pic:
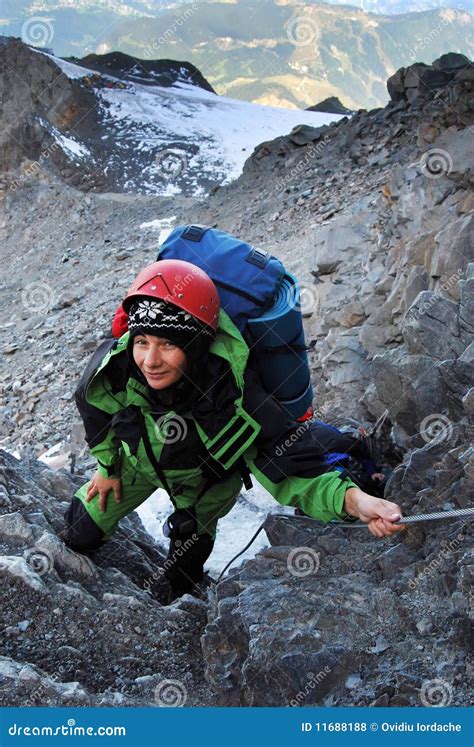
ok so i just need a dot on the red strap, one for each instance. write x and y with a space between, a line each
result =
307 416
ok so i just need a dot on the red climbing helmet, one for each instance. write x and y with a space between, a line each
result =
180 283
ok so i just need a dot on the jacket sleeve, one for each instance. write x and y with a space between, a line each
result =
97 411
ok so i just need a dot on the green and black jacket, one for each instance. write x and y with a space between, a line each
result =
232 424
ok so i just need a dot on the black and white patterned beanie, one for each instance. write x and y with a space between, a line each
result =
155 317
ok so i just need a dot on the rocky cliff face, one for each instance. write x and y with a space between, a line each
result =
368 212
83 632
374 214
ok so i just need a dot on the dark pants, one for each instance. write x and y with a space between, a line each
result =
187 553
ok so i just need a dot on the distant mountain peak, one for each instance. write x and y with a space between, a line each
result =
147 72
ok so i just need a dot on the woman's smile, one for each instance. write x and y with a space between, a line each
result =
156 375
148 349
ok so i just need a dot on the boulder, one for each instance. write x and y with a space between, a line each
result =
431 327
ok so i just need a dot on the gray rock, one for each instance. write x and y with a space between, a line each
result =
451 61
454 249
17 570
394 559
410 386
431 327
337 242
468 401
14 527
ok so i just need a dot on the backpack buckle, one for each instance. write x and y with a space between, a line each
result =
257 257
194 233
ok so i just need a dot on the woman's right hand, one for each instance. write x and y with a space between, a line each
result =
103 486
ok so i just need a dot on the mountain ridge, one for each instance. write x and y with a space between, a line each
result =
276 54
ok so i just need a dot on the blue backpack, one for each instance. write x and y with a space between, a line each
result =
262 299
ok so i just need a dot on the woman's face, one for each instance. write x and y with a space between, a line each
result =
161 362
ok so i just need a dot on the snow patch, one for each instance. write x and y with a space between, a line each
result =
72 148
163 225
183 139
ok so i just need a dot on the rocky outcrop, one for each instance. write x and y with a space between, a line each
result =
454 71
164 73
367 212
331 105
83 632
347 621
37 100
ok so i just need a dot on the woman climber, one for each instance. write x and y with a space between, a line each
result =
175 403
